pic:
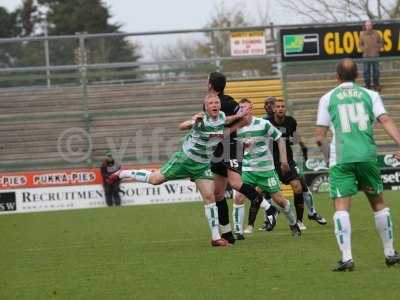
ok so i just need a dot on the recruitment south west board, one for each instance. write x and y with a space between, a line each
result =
77 189
24 192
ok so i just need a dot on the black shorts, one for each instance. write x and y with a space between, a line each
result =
288 176
232 161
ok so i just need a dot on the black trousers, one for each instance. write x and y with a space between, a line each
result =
111 192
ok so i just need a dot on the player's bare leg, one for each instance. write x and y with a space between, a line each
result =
152 177
206 188
384 226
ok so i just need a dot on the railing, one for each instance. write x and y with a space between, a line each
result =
305 82
82 68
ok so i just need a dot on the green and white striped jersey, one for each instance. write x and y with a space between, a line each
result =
256 138
350 111
200 143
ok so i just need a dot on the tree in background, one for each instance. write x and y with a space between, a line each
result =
86 16
63 18
217 44
324 11
8 28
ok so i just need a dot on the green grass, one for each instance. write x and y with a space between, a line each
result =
163 252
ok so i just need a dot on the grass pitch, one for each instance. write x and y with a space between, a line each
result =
163 252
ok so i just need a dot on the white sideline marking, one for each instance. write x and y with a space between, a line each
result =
77 246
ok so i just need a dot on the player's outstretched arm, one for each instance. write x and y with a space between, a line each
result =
240 114
391 129
188 124
236 126
322 141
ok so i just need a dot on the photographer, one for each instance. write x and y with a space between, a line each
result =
111 189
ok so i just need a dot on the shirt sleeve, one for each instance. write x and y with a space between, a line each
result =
323 117
377 106
272 131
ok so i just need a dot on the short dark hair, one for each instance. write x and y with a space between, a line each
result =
245 100
269 99
217 81
346 70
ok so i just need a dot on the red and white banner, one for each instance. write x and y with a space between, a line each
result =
38 179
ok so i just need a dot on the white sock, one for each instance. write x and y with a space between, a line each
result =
269 200
226 228
289 212
309 201
384 226
265 204
211 212
138 175
343 233
238 216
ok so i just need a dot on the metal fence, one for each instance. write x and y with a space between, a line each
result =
85 60
93 58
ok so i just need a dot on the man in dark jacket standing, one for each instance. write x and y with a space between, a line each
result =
111 190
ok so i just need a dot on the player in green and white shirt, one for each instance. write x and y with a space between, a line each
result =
193 161
350 112
258 167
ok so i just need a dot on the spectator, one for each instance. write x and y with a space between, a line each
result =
111 189
370 44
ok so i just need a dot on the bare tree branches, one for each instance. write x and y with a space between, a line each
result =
323 11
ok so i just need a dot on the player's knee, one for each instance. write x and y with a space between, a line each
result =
235 184
156 179
219 194
235 181
279 199
297 188
239 200
208 197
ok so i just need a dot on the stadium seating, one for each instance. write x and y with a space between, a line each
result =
304 94
32 121
256 91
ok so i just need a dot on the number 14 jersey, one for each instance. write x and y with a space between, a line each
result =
350 111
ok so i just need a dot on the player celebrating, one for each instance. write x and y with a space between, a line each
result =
226 164
193 161
349 111
258 165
